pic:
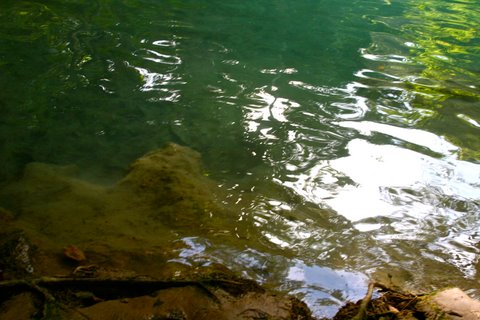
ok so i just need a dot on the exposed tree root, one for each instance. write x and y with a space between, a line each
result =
63 295
362 310
392 304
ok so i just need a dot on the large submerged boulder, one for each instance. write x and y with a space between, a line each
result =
164 193
170 181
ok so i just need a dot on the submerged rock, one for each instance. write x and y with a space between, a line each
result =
16 253
171 182
164 192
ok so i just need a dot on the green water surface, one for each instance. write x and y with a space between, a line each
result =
344 133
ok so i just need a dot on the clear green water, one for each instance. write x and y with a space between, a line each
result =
346 132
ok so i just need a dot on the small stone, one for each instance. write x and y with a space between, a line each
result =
16 254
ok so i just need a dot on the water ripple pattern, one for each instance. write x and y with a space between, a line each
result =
344 135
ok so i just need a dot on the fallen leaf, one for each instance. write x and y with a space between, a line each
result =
72 252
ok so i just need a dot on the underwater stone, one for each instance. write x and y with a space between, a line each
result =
15 254
170 181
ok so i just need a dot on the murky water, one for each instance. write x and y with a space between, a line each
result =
344 136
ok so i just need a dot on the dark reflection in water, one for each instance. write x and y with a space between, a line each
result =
344 136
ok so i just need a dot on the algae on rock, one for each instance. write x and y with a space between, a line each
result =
164 193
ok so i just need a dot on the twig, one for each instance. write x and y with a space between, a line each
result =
362 310
51 281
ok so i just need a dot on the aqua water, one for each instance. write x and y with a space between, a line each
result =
345 132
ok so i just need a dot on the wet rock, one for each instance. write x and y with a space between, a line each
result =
171 180
16 254
450 303
174 303
196 302
164 190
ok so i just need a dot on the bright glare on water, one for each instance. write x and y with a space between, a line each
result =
344 135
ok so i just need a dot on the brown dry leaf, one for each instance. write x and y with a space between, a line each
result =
74 253
393 309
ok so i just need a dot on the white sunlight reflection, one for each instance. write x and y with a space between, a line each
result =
160 75
268 107
348 103
338 286
416 136
373 169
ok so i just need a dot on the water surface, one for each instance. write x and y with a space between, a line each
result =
344 135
